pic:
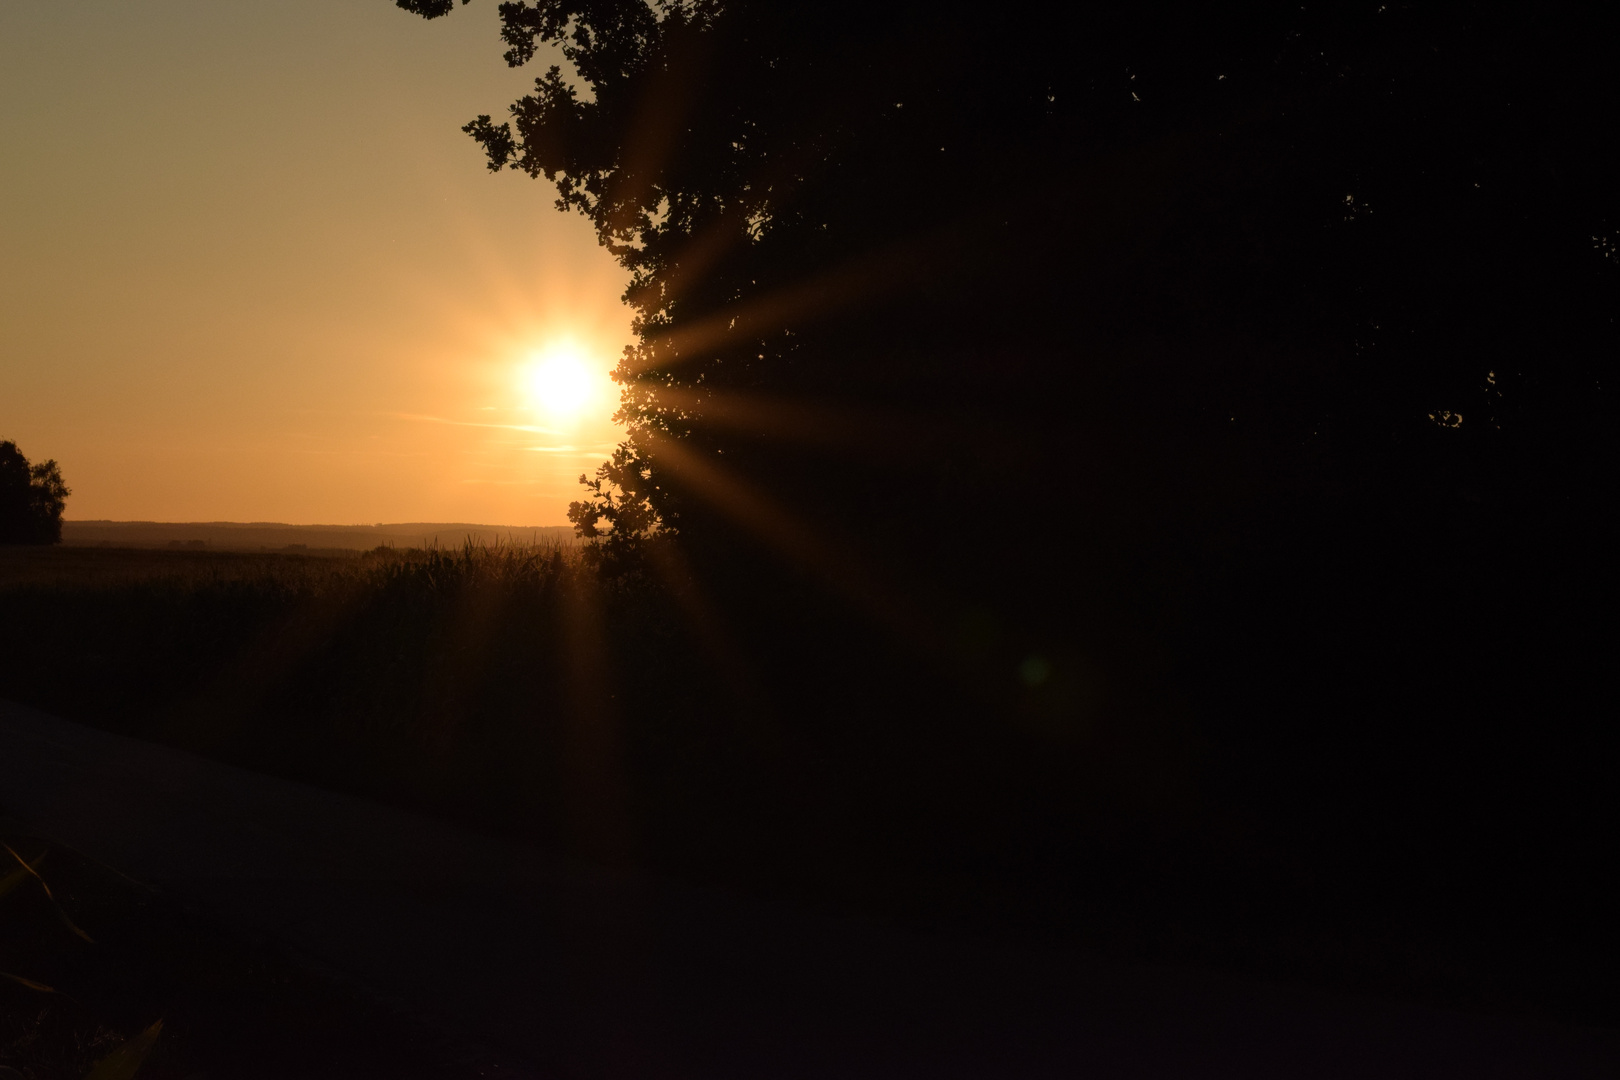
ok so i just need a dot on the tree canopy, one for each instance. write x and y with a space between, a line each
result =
1161 247
32 498
1167 408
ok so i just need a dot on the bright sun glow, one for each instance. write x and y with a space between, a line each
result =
560 383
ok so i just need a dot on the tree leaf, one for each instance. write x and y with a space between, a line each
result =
30 983
26 868
20 875
69 923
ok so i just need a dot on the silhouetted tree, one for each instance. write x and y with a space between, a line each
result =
1202 256
1278 340
619 511
32 498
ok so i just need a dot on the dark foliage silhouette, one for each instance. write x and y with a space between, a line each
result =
1220 256
1173 274
619 511
1276 341
32 498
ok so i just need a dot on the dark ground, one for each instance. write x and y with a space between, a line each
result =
234 1002
564 971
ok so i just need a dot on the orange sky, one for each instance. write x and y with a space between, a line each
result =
250 268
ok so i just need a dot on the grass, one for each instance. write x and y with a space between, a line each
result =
466 682
749 733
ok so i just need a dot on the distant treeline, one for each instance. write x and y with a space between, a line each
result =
258 535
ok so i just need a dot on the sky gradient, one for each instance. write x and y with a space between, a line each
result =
251 269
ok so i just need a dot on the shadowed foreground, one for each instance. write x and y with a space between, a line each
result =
570 972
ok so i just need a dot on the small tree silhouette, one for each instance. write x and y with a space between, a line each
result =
620 511
32 498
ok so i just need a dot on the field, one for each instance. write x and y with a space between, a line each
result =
383 672
273 536
760 741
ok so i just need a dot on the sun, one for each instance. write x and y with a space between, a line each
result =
560 383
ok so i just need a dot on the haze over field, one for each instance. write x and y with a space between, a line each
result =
250 269
257 535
